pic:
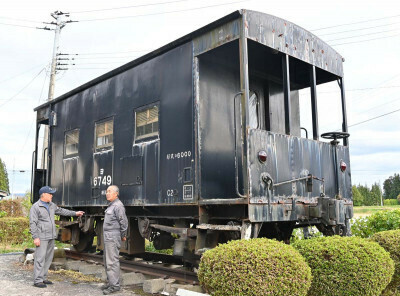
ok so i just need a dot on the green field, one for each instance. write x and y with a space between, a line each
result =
366 211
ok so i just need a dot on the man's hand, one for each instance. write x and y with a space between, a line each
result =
123 239
36 241
79 213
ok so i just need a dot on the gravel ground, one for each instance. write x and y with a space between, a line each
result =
17 279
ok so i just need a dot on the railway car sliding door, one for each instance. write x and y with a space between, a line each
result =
103 159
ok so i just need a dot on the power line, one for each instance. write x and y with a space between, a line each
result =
354 89
94 53
99 63
4 24
102 57
89 68
372 91
356 36
360 22
159 13
8 100
33 122
22 20
379 116
380 105
22 73
367 28
365 40
131 6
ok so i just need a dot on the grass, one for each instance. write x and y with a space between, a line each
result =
366 211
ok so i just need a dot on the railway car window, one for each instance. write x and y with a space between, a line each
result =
104 134
71 142
253 109
146 123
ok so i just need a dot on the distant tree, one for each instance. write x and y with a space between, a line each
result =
365 192
358 199
4 185
376 194
391 187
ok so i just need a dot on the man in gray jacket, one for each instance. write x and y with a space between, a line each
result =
43 230
114 229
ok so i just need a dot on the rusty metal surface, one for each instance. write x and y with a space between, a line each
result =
216 37
219 227
176 230
289 161
290 158
142 267
293 40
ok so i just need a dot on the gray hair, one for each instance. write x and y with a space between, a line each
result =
114 188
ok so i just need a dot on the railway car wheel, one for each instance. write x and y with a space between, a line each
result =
85 242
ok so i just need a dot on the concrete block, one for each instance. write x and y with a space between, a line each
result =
59 253
60 260
184 292
133 278
103 275
91 269
73 265
193 288
168 289
175 287
57 265
153 286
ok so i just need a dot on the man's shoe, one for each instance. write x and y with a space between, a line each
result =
105 286
47 282
111 289
40 285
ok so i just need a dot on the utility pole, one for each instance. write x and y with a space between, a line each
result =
59 23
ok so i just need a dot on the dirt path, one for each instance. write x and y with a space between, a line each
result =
17 279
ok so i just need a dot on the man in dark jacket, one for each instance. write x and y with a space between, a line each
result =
43 230
114 229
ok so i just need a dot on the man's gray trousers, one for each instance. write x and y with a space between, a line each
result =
43 258
112 244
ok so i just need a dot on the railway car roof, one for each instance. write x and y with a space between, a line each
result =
268 30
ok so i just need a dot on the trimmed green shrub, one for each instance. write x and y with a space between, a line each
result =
390 202
346 266
390 241
254 267
379 221
14 230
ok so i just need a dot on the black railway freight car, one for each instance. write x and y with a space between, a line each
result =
203 138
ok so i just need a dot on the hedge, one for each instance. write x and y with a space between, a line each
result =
254 267
390 202
379 221
13 208
14 230
349 266
390 241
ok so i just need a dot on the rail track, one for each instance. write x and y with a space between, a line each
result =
146 267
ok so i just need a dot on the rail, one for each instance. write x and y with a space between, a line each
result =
142 267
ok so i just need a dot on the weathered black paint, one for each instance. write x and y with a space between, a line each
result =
204 165
165 80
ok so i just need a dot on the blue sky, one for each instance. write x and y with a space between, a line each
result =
365 33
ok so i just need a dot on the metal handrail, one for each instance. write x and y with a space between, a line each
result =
234 129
